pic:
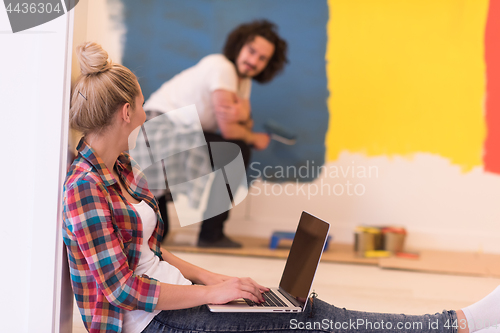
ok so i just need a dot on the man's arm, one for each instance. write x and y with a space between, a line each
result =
229 107
233 117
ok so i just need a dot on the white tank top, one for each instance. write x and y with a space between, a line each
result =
136 321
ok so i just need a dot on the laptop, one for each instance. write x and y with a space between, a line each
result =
298 275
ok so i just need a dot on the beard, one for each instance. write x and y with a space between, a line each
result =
249 69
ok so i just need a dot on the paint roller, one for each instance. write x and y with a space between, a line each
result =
280 133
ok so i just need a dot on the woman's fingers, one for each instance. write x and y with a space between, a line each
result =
234 288
245 286
252 287
261 288
251 297
254 291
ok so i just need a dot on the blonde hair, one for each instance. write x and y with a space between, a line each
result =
102 87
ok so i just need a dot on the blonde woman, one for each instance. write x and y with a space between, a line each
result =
122 280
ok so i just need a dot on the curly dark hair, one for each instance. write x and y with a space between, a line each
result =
245 33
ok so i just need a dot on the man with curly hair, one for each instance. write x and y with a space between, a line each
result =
219 85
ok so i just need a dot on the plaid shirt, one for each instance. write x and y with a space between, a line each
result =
103 235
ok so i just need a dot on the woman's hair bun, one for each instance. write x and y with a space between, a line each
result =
93 59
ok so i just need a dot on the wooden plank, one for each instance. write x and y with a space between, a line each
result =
259 247
431 261
444 262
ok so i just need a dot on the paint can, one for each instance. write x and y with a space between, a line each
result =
367 239
394 239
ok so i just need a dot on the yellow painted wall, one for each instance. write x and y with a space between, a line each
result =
406 77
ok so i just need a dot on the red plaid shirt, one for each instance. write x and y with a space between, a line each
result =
103 235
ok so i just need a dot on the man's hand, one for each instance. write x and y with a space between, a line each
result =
260 140
248 124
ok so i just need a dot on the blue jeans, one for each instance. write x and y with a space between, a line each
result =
325 318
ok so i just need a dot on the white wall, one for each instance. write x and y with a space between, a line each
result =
34 86
440 206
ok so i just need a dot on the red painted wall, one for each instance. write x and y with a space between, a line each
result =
492 57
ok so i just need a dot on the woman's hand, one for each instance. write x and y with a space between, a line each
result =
234 288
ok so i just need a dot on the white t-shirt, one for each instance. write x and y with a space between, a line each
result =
195 86
136 321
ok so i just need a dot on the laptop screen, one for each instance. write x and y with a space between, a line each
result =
304 256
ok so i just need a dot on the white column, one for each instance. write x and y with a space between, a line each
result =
34 96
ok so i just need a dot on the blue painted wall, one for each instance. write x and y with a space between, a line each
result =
165 37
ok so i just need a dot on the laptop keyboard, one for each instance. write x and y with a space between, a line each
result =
270 300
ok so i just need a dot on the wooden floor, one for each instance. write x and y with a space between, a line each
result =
357 287
431 261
